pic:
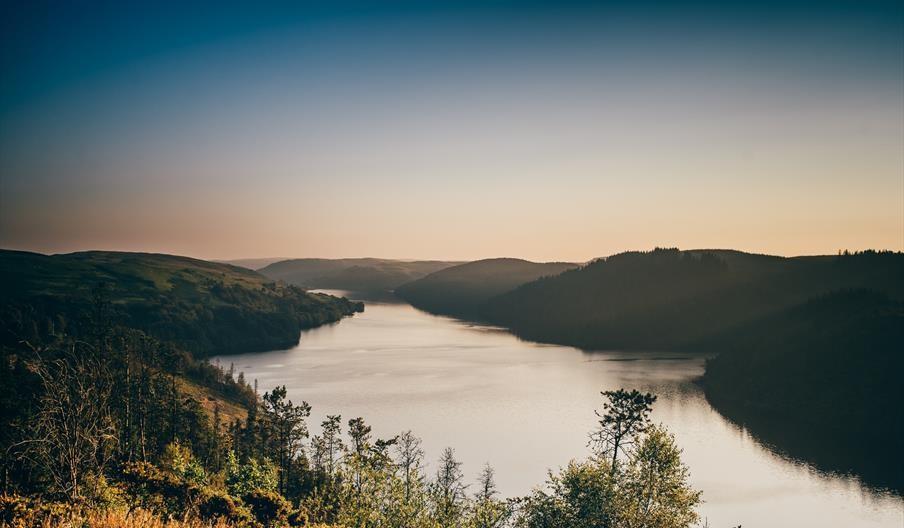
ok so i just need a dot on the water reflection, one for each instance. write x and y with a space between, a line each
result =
526 407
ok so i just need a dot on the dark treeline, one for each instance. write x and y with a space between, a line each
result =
822 382
671 299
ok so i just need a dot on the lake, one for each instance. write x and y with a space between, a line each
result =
526 407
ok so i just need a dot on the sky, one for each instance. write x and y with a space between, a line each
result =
451 130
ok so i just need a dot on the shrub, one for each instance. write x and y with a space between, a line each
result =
179 460
242 479
17 511
217 505
299 517
13 510
158 491
268 507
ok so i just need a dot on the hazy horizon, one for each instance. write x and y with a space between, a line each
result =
453 131
439 259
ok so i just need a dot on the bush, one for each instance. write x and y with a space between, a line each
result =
217 505
268 507
104 495
299 517
13 510
17 511
242 479
180 461
158 491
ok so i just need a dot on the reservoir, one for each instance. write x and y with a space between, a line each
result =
526 408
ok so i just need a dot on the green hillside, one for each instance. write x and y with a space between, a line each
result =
461 290
358 275
667 299
202 307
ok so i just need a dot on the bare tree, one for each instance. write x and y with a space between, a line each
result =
410 458
449 490
487 484
73 435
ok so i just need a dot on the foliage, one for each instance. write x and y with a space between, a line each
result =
216 505
653 491
650 491
268 507
179 460
243 478
582 495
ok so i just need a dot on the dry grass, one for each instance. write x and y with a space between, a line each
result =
133 519
229 410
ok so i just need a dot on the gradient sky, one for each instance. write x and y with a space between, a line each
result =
544 130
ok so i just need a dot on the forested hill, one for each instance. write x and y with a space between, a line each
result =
667 299
821 381
461 290
202 307
369 275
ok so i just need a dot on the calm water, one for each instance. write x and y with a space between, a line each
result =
525 407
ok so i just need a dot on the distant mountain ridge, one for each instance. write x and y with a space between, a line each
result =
252 263
667 298
458 290
352 274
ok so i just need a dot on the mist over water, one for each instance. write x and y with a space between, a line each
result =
526 408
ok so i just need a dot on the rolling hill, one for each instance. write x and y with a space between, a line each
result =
202 307
357 274
461 290
668 299
252 263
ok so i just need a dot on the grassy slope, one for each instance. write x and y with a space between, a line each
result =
460 290
230 410
201 306
361 274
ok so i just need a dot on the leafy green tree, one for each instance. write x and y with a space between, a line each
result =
332 442
655 490
181 462
286 430
242 479
581 495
